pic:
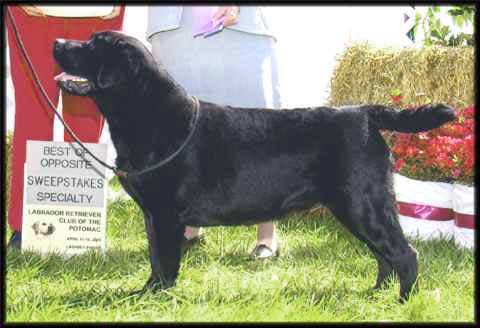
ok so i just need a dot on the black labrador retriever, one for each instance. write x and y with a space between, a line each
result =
221 165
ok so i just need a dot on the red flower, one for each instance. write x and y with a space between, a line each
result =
399 164
397 100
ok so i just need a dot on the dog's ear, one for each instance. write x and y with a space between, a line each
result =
109 75
51 229
35 228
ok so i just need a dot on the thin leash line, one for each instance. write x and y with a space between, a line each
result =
116 170
179 150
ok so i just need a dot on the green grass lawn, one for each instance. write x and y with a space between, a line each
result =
322 274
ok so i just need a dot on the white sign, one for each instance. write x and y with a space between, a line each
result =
64 198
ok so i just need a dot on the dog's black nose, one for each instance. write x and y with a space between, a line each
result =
59 44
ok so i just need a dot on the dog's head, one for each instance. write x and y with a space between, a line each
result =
43 228
104 62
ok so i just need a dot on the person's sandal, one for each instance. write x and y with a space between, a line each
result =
262 251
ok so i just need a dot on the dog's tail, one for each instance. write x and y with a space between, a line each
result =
419 119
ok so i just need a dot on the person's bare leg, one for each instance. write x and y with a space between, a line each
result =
265 236
191 232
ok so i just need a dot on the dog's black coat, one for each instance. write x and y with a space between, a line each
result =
243 165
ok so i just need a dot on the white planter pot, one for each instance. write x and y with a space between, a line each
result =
425 208
464 214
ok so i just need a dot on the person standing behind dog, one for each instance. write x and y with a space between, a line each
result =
236 66
38 27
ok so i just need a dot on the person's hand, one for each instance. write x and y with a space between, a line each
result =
229 12
115 12
32 10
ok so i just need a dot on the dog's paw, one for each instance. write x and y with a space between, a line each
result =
155 284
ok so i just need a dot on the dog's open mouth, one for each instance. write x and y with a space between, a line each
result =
64 77
74 84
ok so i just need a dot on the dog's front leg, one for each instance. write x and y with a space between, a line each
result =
164 241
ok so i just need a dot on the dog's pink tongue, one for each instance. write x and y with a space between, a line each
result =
60 76
64 76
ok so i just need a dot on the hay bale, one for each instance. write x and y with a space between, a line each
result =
367 75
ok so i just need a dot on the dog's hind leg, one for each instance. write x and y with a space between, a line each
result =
383 230
164 241
372 218
385 269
